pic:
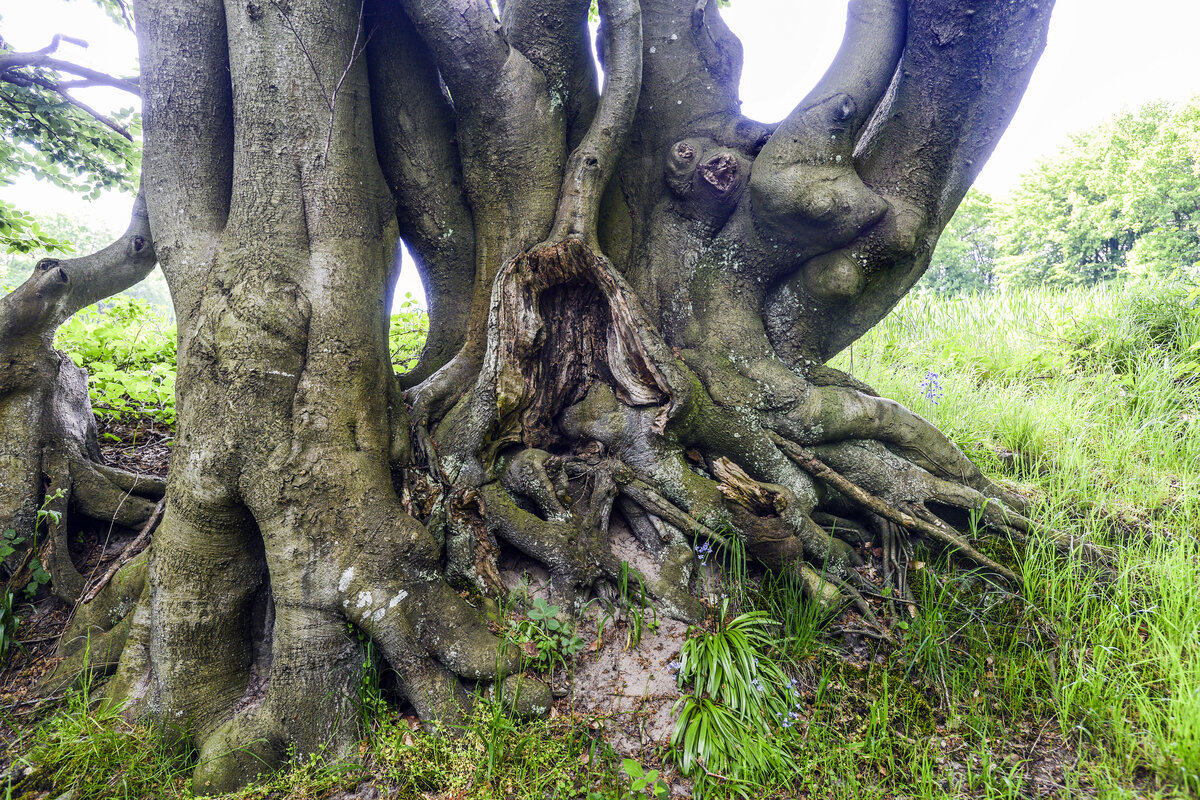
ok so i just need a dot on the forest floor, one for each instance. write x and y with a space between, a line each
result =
1079 685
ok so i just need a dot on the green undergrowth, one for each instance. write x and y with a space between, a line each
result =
128 349
95 754
127 345
1082 684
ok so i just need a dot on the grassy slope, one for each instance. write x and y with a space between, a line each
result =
1082 399
1092 393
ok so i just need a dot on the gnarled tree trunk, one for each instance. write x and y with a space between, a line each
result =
633 295
49 454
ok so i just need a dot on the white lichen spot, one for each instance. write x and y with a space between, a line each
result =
364 599
378 615
653 49
344 581
395 601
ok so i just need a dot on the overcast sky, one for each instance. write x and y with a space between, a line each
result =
1103 56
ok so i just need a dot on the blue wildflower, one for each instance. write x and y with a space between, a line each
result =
932 387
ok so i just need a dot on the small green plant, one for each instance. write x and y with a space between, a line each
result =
10 542
732 665
369 703
544 639
8 625
128 349
406 334
737 713
642 783
634 603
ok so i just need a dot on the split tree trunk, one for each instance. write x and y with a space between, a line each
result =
633 296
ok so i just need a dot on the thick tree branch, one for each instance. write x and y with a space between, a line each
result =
804 188
90 77
512 141
122 264
415 140
691 67
961 77
466 41
188 119
11 62
593 162
554 36
60 287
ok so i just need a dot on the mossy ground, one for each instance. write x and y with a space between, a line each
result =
1084 684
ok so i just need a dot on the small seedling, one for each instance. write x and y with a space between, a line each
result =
545 640
642 783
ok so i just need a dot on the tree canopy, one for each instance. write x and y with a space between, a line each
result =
47 133
1119 201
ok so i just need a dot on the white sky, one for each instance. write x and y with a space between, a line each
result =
1103 56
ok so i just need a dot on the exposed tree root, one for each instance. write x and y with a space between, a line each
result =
567 427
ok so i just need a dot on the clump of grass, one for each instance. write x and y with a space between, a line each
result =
494 756
93 753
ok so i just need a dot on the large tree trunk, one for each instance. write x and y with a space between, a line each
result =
633 295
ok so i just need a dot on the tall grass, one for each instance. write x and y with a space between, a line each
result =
1089 400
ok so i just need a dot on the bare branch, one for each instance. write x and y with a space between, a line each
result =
287 21
41 58
36 57
355 52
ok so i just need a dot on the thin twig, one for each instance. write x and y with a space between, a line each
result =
134 547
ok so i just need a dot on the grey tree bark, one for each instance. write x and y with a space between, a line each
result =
49 454
634 291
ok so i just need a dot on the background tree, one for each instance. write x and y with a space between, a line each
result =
48 133
1119 201
965 258
633 293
